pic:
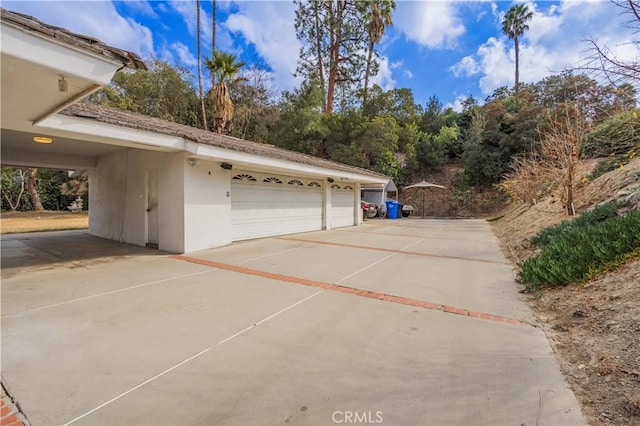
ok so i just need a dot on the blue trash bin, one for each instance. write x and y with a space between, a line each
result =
392 209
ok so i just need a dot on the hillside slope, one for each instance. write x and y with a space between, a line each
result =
594 328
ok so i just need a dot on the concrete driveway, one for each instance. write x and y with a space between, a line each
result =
411 322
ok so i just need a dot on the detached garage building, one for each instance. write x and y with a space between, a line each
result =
154 182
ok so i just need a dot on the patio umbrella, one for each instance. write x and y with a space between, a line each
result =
422 185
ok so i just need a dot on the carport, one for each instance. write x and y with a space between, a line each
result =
152 182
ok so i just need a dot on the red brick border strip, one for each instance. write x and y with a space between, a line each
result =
412 253
10 414
350 290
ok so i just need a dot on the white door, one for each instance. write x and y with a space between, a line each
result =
266 205
342 206
152 209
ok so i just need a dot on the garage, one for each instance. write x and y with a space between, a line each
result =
264 205
342 206
178 188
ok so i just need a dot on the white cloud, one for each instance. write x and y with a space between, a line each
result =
408 73
457 104
468 66
165 54
269 27
185 57
384 78
142 7
434 24
187 9
554 42
99 19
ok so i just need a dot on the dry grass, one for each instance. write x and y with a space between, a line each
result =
14 222
593 327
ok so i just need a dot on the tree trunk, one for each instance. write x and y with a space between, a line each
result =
569 188
12 205
517 47
214 18
213 29
319 50
335 31
31 187
333 64
367 72
202 109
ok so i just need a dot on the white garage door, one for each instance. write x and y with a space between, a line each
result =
342 213
266 205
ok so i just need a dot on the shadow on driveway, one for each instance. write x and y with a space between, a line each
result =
45 249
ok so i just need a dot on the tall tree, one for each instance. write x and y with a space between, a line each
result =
334 38
33 191
302 125
14 182
605 61
162 91
224 68
214 17
203 112
378 16
254 112
514 25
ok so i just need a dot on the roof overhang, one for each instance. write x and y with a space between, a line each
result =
87 138
39 50
40 76
387 186
77 143
45 69
242 160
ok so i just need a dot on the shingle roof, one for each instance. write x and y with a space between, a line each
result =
137 121
63 35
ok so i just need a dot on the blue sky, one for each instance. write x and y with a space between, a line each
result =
450 49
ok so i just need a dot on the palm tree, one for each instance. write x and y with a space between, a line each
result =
224 68
514 25
378 15
202 109
213 25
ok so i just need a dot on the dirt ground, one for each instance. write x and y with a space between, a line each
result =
442 202
594 328
31 221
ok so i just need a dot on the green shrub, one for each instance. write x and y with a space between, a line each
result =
594 216
580 250
605 165
615 136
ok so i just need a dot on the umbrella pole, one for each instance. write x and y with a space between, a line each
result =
423 203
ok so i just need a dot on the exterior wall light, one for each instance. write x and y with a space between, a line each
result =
226 166
331 180
42 139
62 85
192 162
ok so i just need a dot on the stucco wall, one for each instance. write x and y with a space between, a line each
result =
106 205
117 197
171 203
194 204
207 206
